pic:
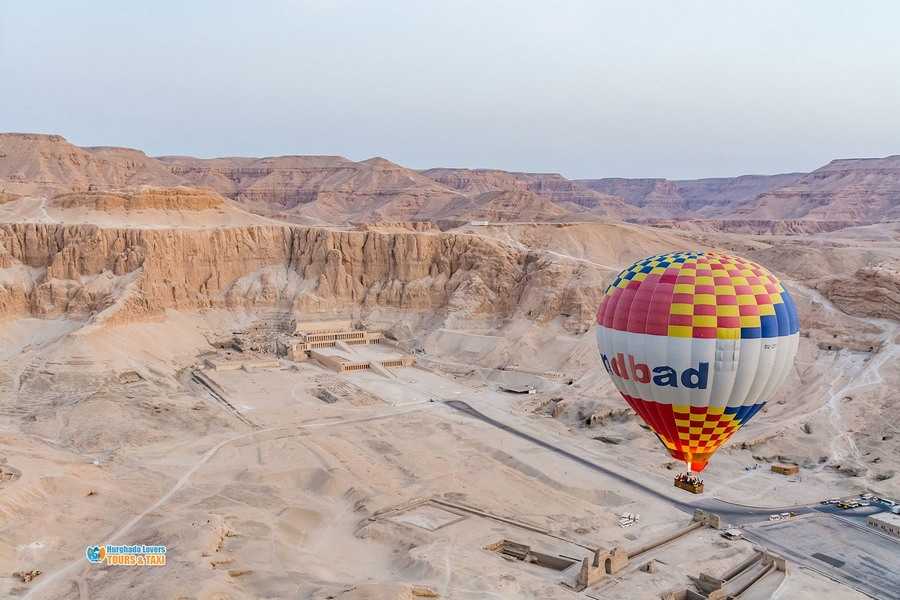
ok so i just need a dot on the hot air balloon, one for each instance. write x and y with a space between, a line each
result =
696 343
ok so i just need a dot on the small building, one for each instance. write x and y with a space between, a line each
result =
887 522
786 469
518 389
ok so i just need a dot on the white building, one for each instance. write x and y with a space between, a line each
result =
887 522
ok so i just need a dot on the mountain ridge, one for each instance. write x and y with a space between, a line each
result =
331 189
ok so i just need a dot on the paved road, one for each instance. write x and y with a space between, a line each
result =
733 512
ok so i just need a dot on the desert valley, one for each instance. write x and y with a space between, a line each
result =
311 377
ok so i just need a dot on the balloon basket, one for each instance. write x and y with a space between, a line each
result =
689 483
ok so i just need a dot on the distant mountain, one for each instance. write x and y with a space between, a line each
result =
568 194
329 189
37 163
714 197
311 189
505 206
855 189
334 189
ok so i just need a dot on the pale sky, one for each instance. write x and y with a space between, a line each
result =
673 89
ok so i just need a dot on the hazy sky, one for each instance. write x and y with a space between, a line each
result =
588 89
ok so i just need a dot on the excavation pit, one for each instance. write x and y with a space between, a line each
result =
524 553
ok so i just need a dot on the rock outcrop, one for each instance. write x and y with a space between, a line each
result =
870 292
36 163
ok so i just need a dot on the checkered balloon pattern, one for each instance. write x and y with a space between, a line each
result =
696 343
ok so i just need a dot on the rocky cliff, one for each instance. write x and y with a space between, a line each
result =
178 198
860 190
123 274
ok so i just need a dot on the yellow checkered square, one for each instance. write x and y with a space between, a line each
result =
750 321
704 321
680 331
728 333
681 309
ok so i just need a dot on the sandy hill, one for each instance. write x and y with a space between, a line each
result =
695 197
858 189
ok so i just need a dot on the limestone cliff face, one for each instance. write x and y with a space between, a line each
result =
52 269
860 190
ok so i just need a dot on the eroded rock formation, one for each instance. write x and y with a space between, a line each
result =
54 269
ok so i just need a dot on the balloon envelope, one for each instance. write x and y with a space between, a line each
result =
696 343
